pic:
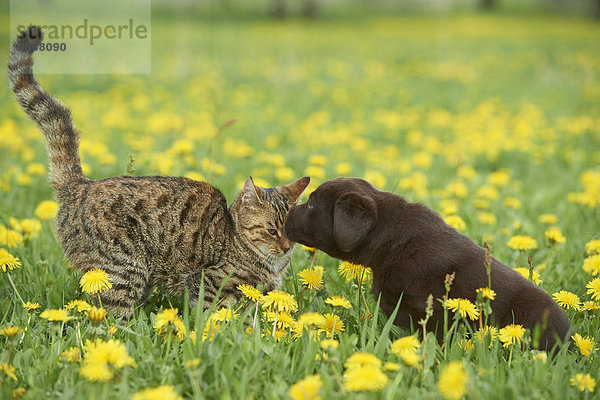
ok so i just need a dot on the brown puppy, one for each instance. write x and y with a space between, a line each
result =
411 249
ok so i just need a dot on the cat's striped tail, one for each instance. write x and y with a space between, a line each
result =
52 117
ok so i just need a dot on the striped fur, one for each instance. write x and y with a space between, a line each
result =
154 230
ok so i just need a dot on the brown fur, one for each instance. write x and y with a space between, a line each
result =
411 250
147 231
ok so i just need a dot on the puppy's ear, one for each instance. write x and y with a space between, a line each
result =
353 217
295 189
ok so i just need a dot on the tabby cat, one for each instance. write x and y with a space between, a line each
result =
157 230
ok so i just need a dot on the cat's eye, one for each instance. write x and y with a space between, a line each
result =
272 232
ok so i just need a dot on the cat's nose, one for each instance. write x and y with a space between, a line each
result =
285 247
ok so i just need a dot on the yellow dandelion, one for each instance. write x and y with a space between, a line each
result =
250 292
391 366
163 392
8 370
584 344
410 358
361 360
36 169
96 314
10 331
168 322
279 300
522 243
466 345
456 222
329 344
18 393
585 383
405 344
30 228
464 306
47 209
332 325
31 306
306 248
592 247
511 334
365 379
100 355
284 320
535 276
8 262
56 315
590 306
554 235
593 288
111 330
453 380
10 238
193 363
591 264
95 280
72 355
512 202
311 318
96 372
549 219
223 315
311 278
487 293
490 332
81 306
541 356
353 271
338 301
567 299
306 389
486 218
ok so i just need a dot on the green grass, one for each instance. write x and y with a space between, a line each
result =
398 99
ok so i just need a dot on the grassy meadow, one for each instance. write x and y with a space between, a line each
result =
493 121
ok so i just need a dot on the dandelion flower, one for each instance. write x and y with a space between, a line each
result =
589 306
8 370
72 355
31 306
284 320
47 209
96 372
338 301
8 262
522 243
163 392
549 219
56 315
466 344
593 288
95 281
487 293
311 278
585 344
223 315
535 276
591 264
490 332
279 300
250 292
391 366
81 306
10 238
30 227
96 314
362 360
365 379
584 382
592 247
464 306
410 358
540 356
111 330
511 334
329 344
456 222
332 325
101 355
309 249
10 331
554 235
167 322
306 389
405 344
567 299
352 271
453 380
311 318
193 363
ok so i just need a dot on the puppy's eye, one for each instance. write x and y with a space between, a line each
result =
272 232
309 206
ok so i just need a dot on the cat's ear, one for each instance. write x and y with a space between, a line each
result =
295 189
250 192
